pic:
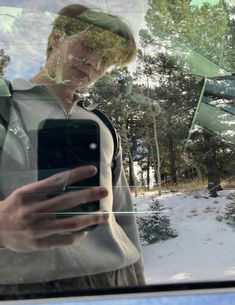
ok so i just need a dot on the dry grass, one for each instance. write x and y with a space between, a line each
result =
207 210
182 187
185 186
229 183
194 212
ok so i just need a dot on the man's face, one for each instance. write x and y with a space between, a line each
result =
73 62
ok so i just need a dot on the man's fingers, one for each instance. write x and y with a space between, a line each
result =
59 181
76 223
52 226
68 200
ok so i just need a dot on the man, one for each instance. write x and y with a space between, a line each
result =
40 251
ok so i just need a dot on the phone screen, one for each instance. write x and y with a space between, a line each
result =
64 144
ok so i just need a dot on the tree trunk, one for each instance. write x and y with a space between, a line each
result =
158 167
132 180
158 156
148 173
213 174
154 163
199 174
172 158
131 171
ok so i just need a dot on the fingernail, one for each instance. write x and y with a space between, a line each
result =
105 215
92 170
103 191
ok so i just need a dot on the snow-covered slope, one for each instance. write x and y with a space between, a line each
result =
204 249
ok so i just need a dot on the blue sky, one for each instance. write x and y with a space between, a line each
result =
27 57
27 46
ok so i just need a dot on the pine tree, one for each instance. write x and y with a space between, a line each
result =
155 226
4 61
230 213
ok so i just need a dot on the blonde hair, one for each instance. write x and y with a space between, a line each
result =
103 29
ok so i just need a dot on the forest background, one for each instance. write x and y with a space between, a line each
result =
153 107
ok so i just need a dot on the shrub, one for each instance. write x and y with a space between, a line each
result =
229 214
155 226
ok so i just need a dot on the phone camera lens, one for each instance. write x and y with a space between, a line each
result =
93 146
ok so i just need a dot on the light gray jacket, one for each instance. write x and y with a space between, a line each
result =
110 246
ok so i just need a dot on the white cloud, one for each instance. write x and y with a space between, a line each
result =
26 41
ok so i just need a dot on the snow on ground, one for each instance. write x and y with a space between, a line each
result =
204 249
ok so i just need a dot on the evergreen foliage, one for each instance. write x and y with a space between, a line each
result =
155 226
162 92
229 214
4 61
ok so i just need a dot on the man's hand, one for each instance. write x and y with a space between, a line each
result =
27 219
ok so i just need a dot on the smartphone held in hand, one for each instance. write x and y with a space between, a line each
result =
65 144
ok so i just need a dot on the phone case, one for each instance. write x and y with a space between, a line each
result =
64 144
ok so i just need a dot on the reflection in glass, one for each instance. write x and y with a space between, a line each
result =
174 113
71 235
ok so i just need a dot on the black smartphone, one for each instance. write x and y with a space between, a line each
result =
65 144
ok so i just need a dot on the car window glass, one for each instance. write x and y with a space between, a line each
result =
171 110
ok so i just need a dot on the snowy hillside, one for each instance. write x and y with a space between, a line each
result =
204 249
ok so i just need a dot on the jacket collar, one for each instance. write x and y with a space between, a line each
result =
19 84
